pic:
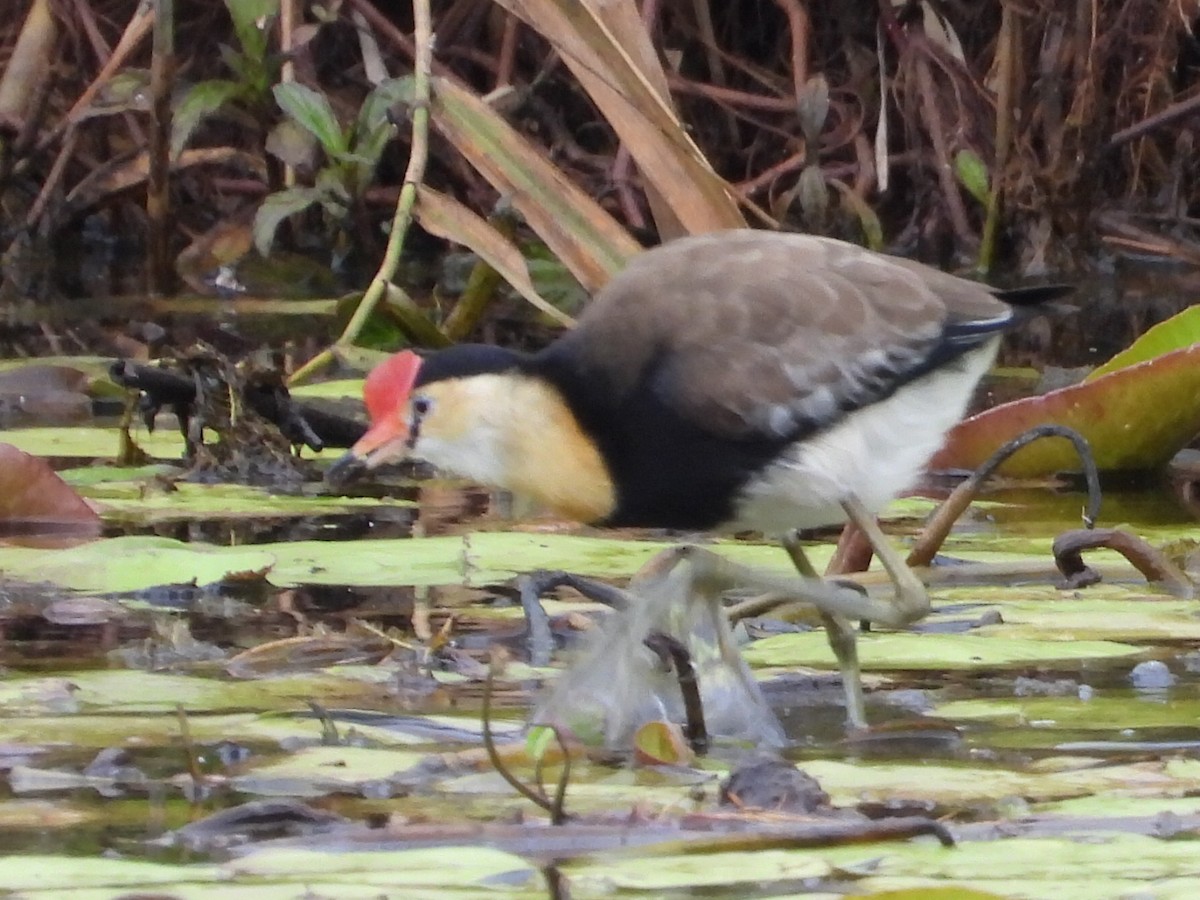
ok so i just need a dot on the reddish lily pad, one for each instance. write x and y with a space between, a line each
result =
34 500
1135 418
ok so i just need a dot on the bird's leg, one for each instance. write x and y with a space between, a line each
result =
836 603
843 640
912 600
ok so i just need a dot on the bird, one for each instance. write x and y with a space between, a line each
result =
742 380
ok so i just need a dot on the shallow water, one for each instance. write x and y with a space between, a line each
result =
1011 703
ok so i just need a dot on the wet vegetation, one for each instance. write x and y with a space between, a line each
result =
219 674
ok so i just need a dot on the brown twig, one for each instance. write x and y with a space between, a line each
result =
672 651
800 27
1149 560
555 806
944 517
159 270
508 50
936 128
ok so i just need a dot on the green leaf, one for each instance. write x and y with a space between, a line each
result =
132 563
1176 333
200 101
972 174
538 741
868 220
334 193
313 111
249 23
374 129
276 208
904 650
292 144
92 442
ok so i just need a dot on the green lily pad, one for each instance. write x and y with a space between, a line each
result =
315 771
131 691
1112 805
33 727
431 867
93 442
454 873
135 562
1119 865
905 650
1104 712
44 875
131 563
478 559
1139 617
131 502
1179 332
335 389
697 871
86 476
966 784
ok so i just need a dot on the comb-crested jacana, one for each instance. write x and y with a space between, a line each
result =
740 380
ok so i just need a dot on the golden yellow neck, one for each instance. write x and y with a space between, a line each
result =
517 432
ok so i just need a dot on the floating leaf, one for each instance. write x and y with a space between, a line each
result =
34 500
130 564
905 650
1122 415
662 744
1179 332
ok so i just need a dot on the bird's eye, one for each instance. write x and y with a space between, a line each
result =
421 406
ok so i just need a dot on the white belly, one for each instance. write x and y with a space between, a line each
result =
875 453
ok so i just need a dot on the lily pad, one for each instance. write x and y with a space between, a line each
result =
1179 332
131 563
334 389
33 497
433 867
904 650
131 501
316 771
1100 713
1121 415
148 692
93 442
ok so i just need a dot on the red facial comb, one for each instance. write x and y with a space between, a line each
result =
389 384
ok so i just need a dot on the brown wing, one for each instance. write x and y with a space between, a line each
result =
765 334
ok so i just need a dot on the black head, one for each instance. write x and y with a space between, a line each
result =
466 360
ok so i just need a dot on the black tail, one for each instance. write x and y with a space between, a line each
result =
1035 295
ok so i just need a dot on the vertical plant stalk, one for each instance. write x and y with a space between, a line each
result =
287 72
413 176
158 185
935 125
1006 52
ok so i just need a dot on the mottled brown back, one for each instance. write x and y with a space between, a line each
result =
755 332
